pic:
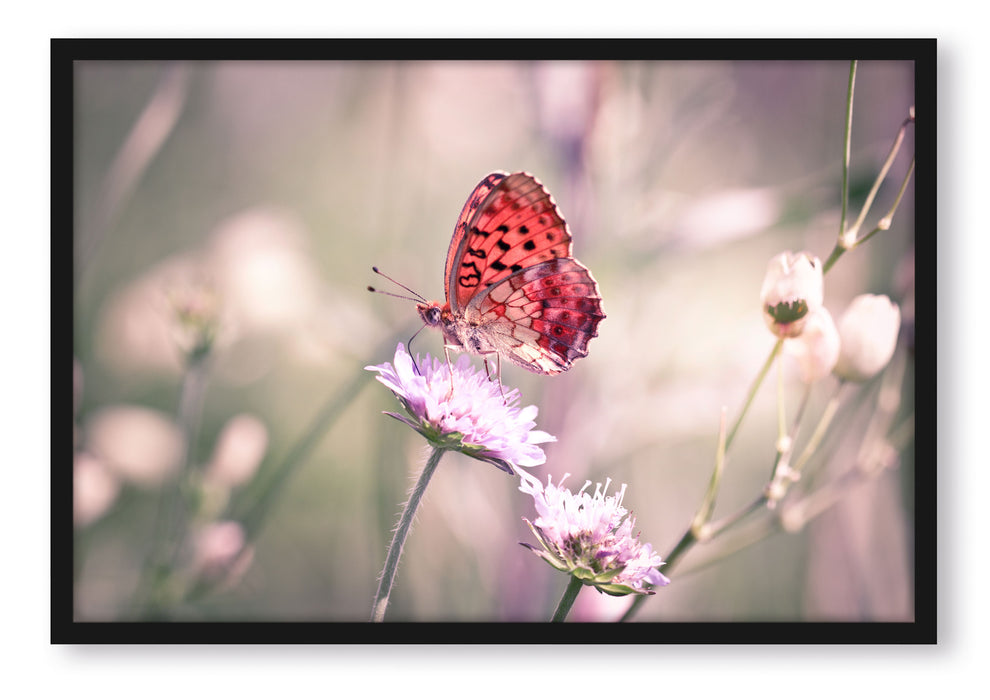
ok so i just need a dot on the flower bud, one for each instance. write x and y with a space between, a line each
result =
792 288
817 348
868 332
196 309
221 553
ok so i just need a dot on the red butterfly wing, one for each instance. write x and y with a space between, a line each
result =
511 276
554 309
509 223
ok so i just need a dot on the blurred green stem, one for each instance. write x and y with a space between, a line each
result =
153 592
399 537
827 415
268 485
271 485
567 600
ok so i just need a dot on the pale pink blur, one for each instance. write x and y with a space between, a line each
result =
137 444
238 452
94 489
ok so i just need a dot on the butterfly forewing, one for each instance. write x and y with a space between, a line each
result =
456 275
509 223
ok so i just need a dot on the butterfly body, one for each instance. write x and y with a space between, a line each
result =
512 286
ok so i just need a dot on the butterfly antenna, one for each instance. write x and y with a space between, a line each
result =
418 297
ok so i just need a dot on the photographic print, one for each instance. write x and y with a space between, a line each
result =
386 334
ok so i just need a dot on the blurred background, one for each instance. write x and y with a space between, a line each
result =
252 198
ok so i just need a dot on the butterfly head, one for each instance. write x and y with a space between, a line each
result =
434 313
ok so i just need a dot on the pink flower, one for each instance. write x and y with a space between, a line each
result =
479 417
590 537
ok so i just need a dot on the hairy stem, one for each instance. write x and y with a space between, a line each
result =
399 537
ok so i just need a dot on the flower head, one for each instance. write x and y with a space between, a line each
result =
868 332
196 309
792 288
478 418
590 537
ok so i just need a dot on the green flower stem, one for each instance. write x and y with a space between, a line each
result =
785 454
781 407
399 537
848 146
827 415
171 521
707 507
882 175
567 600
843 244
752 391
889 217
733 520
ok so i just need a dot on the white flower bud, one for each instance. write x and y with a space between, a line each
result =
792 288
868 333
817 348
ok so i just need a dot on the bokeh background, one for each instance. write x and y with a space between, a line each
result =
270 189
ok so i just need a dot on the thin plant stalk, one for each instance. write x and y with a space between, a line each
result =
885 222
171 521
849 239
400 534
752 391
272 484
816 437
847 150
567 600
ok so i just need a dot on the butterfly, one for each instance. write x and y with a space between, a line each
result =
513 288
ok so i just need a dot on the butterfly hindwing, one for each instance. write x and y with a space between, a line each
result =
543 316
508 224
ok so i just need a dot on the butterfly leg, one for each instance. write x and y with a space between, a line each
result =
498 374
450 368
